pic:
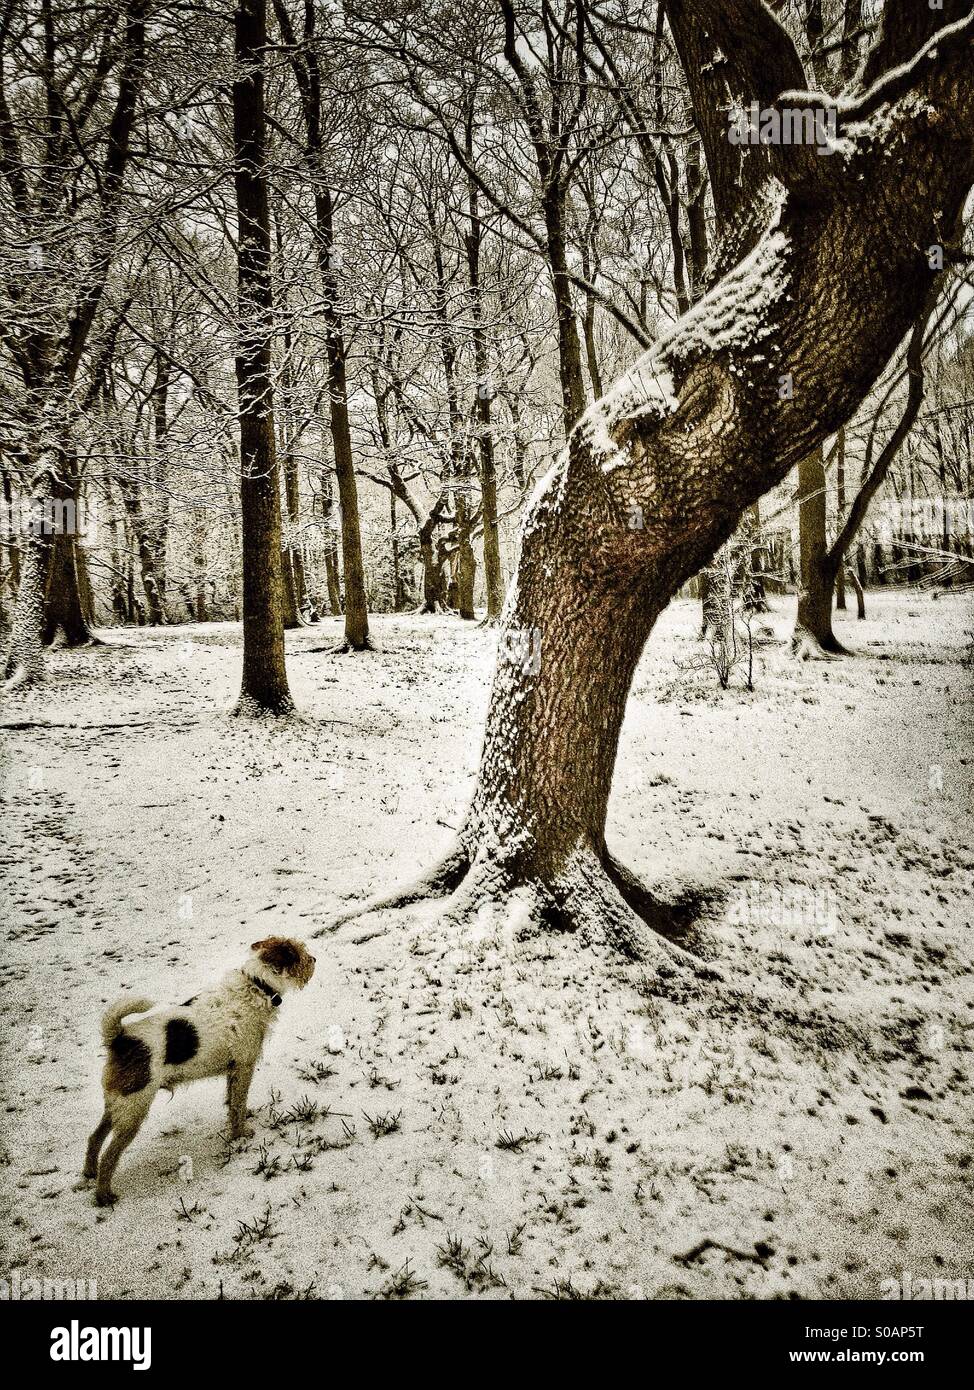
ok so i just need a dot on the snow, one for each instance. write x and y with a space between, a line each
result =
732 315
563 1116
646 389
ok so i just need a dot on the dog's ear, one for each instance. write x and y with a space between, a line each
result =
278 953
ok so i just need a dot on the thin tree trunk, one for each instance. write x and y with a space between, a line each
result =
840 513
148 552
304 62
493 578
161 504
356 606
332 576
813 626
397 597
264 686
292 563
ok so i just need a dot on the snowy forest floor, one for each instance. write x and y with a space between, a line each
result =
443 1117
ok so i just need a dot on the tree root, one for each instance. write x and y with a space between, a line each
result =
435 883
247 707
592 896
346 648
807 647
17 677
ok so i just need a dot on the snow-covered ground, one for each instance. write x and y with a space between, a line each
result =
560 1122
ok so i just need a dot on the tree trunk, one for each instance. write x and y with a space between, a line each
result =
289 601
466 563
304 62
356 607
434 589
493 578
332 577
334 583
63 608
160 538
148 552
397 593
25 658
857 589
264 686
292 563
813 626
840 514
52 372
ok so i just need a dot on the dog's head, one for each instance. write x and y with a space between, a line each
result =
287 960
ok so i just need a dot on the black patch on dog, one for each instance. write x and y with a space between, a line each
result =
129 1066
279 953
182 1041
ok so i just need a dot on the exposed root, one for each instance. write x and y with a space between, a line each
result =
808 647
435 883
675 921
606 903
18 678
596 898
346 648
247 707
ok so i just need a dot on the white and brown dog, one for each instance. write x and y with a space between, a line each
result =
218 1033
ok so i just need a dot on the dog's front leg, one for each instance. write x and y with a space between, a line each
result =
239 1077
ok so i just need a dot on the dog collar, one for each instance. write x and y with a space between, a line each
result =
272 994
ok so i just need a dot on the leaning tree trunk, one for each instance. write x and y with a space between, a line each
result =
813 626
264 686
693 434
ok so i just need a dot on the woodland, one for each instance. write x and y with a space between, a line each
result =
487 488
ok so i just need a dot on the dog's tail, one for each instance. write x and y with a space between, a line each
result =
111 1021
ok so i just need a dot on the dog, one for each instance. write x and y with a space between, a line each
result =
218 1033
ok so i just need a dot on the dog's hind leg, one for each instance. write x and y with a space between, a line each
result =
127 1117
239 1077
100 1134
